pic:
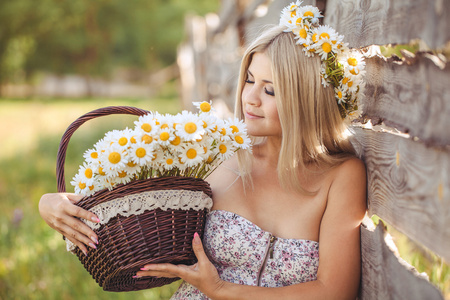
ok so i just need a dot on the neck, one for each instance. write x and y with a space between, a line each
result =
268 151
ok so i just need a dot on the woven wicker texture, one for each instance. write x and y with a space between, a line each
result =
126 244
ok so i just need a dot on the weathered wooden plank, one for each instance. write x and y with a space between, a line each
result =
385 275
408 186
413 97
381 22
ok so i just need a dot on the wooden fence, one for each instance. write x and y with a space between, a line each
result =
407 148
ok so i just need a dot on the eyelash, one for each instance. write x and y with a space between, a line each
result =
265 90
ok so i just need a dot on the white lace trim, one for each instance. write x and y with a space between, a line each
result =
137 204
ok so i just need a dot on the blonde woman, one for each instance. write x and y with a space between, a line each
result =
286 218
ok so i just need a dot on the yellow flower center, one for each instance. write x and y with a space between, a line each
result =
156 121
234 129
205 124
205 107
122 174
308 14
131 164
314 37
147 139
303 34
164 136
82 185
352 61
133 140
345 80
350 83
94 155
354 71
191 153
298 21
176 141
140 152
169 161
239 139
100 171
214 129
88 173
175 125
190 127
293 13
326 47
292 7
164 126
223 131
146 127
114 157
340 94
324 35
91 187
123 141
223 149
210 159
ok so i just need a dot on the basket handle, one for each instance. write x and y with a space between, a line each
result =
105 111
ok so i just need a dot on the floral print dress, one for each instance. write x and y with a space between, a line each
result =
244 253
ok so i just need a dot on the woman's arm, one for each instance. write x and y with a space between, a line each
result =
60 213
338 275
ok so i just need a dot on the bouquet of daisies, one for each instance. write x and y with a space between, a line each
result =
186 144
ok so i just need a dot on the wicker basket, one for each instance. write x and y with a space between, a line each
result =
127 243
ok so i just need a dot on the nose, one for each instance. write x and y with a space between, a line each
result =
250 95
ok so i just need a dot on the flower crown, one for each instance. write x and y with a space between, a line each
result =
341 67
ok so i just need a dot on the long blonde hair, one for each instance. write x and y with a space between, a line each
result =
312 128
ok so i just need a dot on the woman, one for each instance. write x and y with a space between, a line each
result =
300 188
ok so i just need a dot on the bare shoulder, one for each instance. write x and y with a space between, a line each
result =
348 187
225 172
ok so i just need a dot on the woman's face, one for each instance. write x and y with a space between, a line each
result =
258 99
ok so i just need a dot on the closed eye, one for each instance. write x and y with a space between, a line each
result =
271 93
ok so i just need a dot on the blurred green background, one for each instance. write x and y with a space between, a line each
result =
90 40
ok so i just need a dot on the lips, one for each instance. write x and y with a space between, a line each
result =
250 115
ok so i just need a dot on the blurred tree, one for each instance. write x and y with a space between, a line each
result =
91 38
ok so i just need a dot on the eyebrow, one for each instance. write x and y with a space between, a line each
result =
265 81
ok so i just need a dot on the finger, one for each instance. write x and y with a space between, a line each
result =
81 213
198 249
72 234
163 269
74 198
155 274
79 226
78 244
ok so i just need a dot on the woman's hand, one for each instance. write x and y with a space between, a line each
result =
203 275
59 212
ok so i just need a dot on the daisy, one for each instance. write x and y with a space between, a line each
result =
192 155
146 124
190 127
225 149
165 136
241 141
82 187
353 61
123 177
87 172
204 107
209 122
236 125
113 159
309 12
91 156
169 161
141 153
123 138
340 94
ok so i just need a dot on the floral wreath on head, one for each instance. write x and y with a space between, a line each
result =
341 67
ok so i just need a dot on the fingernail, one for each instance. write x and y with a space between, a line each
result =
85 253
136 276
196 238
143 269
92 245
94 239
95 219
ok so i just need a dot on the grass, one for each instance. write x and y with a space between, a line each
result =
33 261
